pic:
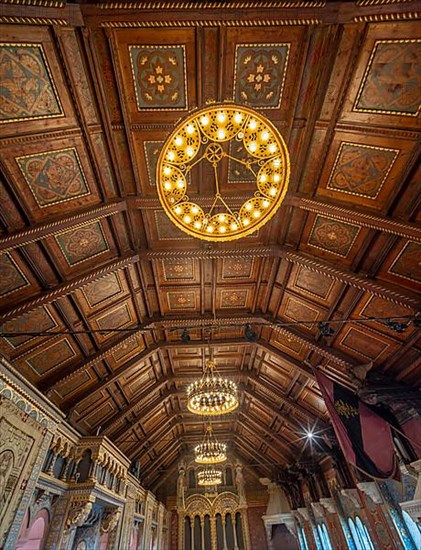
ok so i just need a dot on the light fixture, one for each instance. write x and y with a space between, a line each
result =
210 451
212 394
185 336
249 334
209 477
204 136
325 329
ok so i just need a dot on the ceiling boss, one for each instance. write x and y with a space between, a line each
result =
203 137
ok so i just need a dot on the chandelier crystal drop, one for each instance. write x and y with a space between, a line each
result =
225 139
209 477
210 451
212 395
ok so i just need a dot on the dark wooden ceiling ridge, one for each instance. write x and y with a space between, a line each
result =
156 433
153 464
134 403
376 287
277 449
242 443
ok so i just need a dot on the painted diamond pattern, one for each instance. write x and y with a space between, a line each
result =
159 76
82 243
260 74
26 90
391 83
361 170
55 176
333 236
11 278
408 263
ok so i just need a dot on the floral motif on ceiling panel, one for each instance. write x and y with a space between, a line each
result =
361 169
180 269
260 74
234 298
237 268
51 357
102 289
82 243
391 83
334 236
181 300
408 263
27 90
54 176
11 277
116 318
39 319
159 76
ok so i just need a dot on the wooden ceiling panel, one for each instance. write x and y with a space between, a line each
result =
87 248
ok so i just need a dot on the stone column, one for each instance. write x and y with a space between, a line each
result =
192 533
66 469
50 468
245 527
224 527
202 528
212 520
234 531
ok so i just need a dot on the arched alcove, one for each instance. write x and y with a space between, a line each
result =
33 538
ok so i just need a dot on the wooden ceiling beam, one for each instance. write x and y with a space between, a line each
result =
154 464
157 433
44 230
240 443
402 228
88 393
276 449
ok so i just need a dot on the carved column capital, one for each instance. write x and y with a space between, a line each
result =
371 489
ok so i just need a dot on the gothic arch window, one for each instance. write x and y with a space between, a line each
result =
302 538
324 537
228 476
192 479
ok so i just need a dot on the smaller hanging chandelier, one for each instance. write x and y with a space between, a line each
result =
212 394
210 451
209 477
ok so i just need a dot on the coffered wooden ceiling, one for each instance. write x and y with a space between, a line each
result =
89 93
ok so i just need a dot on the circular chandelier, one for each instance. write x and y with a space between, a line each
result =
210 451
216 136
212 394
209 477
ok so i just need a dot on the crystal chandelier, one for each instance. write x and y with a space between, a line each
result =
210 451
212 394
226 139
209 477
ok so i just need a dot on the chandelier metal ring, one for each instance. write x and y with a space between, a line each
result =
205 136
209 477
210 451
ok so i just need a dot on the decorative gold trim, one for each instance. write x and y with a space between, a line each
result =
365 335
125 306
161 47
74 150
145 152
367 70
282 84
210 23
177 293
50 75
343 143
11 20
361 3
44 3
47 310
208 5
387 17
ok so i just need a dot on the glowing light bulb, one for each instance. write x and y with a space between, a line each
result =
204 120
222 229
178 141
221 117
180 184
221 134
197 225
246 221
238 118
249 206
171 155
253 146
190 151
167 185
266 203
167 170
234 227
272 148
190 129
265 136
252 124
187 219
309 435
178 210
276 178
272 191
209 229
221 218
276 163
195 210
256 214
263 178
